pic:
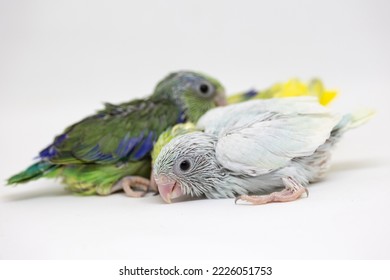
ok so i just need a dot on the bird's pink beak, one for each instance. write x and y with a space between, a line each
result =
168 188
220 99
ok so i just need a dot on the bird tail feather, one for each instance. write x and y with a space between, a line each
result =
33 172
355 119
347 122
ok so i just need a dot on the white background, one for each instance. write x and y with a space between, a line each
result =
59 60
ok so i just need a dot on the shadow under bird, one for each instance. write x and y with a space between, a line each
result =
110 150
257 151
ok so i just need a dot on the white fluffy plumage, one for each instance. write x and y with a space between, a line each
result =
253 147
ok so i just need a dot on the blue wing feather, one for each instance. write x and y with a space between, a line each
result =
87 140
145 147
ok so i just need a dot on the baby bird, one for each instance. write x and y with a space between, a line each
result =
110 150
257 151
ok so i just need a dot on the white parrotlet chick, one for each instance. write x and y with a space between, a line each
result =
258 151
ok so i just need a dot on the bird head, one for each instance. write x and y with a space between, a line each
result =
169 134
187 166
193 92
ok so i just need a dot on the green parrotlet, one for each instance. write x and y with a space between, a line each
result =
110 150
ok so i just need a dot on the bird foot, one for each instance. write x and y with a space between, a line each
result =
133 186
292 191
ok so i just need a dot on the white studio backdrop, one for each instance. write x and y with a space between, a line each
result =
59 60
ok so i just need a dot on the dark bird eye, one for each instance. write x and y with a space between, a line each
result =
185 165
204 88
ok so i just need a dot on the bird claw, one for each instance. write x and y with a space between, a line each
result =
307 192
292 191
133 186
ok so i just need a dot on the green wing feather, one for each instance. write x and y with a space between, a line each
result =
117 133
